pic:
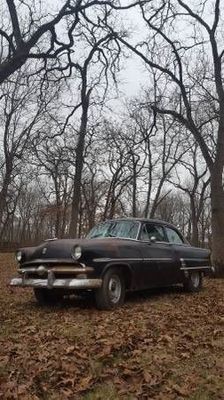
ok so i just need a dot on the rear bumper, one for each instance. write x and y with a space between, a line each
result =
206 270
51 283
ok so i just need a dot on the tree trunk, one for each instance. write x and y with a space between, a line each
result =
112 207
194 220
156 199
73 228
217 205
3 200
149 189
134 193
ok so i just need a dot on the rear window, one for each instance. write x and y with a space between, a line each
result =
173 236
151 230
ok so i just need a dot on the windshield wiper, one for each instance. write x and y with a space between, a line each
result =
95 236
103 236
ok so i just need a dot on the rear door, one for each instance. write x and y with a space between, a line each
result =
180 249
188 256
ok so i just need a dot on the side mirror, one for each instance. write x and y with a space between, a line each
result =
152 239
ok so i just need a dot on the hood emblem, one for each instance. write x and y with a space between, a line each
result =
44 250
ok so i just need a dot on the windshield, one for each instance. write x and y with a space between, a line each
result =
121 229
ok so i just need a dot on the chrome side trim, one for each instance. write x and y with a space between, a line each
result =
158 259
52 283
190 268
194 259
130 259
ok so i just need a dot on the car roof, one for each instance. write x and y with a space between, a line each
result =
150 220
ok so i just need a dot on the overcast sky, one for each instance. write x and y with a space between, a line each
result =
133 75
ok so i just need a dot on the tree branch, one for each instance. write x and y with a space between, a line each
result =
15 23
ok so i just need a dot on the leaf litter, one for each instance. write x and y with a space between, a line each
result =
162 344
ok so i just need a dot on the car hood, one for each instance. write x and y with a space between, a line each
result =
91 248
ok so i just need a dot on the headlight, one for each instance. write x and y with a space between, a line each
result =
76 252
19 256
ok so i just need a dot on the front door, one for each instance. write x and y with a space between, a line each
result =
158 256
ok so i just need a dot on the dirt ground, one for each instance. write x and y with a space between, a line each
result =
162 344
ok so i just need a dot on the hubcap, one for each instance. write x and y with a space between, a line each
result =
195 279
114 289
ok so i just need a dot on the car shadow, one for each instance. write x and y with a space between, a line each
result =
87 302
154 293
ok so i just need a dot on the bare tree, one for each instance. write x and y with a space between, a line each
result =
118 173
175 209
54 160
31 31
103 52
195 188
21 113
190 84
162 146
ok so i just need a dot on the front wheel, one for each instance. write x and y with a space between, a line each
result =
47 296
193 283
112 292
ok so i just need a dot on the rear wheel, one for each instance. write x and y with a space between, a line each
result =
47 296
193 283
112 292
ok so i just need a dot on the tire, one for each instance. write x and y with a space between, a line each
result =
47 296
112 292
194 282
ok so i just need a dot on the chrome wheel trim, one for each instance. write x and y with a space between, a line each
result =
114 289
195 279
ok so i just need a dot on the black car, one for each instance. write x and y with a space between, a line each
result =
117 255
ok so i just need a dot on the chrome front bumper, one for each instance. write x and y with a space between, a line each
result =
51 283
52 279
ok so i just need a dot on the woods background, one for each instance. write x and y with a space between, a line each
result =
76 149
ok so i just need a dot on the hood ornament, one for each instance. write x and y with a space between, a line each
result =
44 250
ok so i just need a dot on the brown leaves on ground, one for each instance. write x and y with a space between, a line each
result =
163 345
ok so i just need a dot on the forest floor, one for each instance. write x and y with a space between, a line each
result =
162 345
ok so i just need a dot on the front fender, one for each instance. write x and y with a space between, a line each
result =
125 268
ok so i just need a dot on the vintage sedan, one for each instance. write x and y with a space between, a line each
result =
116 256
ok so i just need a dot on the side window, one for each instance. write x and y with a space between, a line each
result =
144 234
149 230
173 236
